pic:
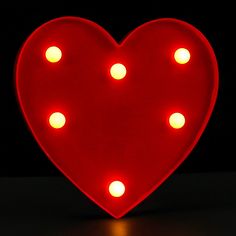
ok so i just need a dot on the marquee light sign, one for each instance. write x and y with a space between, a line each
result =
116 118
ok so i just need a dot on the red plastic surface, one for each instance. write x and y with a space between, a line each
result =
116 129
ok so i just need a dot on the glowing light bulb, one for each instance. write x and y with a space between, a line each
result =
118 71
177 120
53 54
182 56
116 188
57 120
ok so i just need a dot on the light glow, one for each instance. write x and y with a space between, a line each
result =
177 120
57 120
116 188
182 55
53 54
118 71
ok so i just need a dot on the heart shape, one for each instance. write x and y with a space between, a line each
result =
116 118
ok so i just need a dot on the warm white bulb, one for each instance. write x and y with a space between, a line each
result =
53 54
182 55
116 188
118 71
57 120
177 120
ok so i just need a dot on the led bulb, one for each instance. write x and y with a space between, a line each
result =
116 188
118 71
182 56
177 120
53 54
57 120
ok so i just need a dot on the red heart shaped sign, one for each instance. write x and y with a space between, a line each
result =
116 118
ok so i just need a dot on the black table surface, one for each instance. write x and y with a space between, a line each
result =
193 204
